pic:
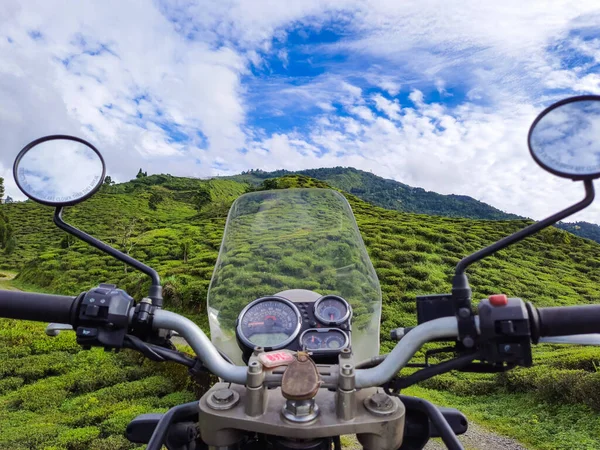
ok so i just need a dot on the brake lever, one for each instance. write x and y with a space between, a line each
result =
53 329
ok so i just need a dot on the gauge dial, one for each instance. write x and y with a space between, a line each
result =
311 341
271 322
335 341
326 340
332 309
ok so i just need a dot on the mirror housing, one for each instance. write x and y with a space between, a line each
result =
565 138
59 170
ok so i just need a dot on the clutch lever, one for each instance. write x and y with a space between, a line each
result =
53 329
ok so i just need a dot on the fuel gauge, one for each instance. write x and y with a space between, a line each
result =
324 340
312 341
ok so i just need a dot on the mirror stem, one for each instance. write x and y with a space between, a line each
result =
155 290
461 291
527 231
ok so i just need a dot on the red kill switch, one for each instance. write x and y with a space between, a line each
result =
498 300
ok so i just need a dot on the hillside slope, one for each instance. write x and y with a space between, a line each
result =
391 194
413 254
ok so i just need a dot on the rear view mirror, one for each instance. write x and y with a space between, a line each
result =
565 138
59 170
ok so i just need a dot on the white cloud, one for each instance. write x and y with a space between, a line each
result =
151 75
390 108
139 74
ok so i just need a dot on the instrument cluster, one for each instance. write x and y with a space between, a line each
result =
321 327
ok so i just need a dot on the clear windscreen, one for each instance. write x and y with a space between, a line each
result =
293 239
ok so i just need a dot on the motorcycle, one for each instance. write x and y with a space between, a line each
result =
294 309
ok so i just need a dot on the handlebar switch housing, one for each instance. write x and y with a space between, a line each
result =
505 336
103 317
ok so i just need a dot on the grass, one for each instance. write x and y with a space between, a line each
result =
412 254
535 423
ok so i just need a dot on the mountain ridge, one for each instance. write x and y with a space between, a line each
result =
394 195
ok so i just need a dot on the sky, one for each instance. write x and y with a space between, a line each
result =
434 94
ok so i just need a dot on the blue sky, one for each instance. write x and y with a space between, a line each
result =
436 94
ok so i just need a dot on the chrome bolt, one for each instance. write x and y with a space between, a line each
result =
222 399
380 404
223 396
254 367
300 411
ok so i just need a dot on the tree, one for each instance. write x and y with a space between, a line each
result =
6 231
125 231
141 174
10 245
108 181
3 232
202 198
185 249
155 198
9 199
1 188
269 184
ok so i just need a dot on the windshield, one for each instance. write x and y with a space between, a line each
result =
293 239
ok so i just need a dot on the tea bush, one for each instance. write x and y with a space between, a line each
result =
52 390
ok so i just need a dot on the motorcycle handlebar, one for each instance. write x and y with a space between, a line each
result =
568 320
551 322
38 307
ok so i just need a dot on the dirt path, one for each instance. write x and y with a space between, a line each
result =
478 438
5 278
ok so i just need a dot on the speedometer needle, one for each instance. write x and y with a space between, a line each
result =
251 324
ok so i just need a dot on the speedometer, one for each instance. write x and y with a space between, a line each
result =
269 322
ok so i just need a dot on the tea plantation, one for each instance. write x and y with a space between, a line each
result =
53 396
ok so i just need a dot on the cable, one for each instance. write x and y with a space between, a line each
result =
371 362
431 371
436 418
174 414
157 353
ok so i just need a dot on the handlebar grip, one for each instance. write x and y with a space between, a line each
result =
569 320
38 307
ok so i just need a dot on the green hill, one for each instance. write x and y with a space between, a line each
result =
69 399
391 194
584 229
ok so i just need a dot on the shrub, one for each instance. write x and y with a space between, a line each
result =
78 438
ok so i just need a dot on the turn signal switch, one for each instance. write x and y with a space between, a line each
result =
103 317
505 332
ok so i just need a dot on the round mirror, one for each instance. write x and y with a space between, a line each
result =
565 138
59 170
